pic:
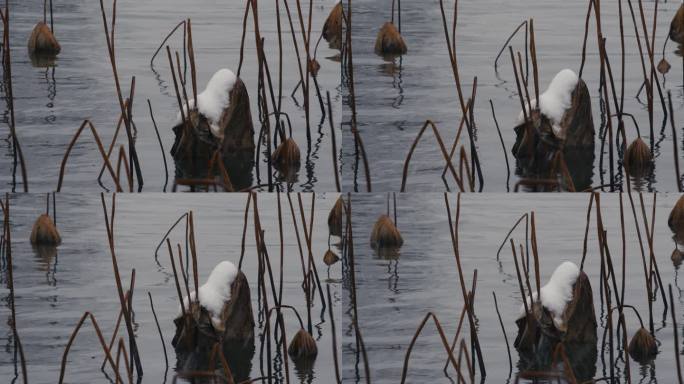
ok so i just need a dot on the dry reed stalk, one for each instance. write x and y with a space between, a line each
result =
503 243
333 335
306 280
99 147
463 350
503 329
676 335
503 146
168 36
7 243
455 143
111 145
121 349
469 122
122 159
358 142
115 333
161 146
567 367
127 119
453 231
161 336
647 279
649 237
86 315
443 339
9 91
119 287
586 231
352 276
334 144
441 147
510 37
678 175
308 236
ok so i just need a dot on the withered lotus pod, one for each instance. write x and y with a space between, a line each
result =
637 158
578 321
42 41
330 258
663 66
539 335
45 232
677 26
335 218
302 346
676 257
332 29
385 234
676 220
286 158
195 143
389 41
537 141
196 333
643 346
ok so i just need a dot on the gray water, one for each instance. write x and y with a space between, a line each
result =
394 295
52 291
395 97
50 104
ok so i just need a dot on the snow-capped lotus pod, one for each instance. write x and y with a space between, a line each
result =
332 29
564 115
663 66
224 311
564 314
643 346
676 220
676 257
385 234
335 218
223 119
42 41
677 26
389 41
286 157
302 346
637 158
330 258
45 232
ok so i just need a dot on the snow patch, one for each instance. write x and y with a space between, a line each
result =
214 99
557 293
556 99
216 291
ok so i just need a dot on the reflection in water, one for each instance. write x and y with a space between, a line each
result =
51 94
304 369
47 255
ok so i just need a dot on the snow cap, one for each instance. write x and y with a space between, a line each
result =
556 99
216 291
557 293
214 99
